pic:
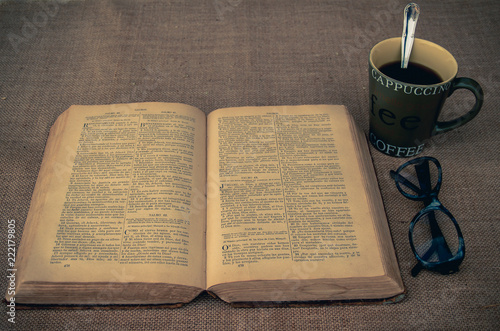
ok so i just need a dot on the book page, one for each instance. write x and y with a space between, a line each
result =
285 197
120 198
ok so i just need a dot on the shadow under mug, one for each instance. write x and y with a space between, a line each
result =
404 116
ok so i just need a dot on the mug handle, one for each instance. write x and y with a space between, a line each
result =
471 85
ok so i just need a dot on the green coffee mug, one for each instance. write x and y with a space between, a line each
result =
404 111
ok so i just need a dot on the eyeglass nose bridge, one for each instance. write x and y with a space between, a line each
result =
431 200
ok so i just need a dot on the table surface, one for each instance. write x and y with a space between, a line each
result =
224 53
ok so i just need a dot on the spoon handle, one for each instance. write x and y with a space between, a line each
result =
412 10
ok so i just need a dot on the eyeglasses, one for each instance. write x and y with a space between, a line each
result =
435 237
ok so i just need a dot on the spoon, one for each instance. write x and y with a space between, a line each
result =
412 10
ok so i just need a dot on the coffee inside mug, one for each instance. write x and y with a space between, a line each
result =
424 53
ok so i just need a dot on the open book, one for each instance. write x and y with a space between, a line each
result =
153 203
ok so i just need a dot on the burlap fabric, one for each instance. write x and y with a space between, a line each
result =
222 53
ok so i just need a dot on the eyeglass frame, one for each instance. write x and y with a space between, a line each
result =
431 202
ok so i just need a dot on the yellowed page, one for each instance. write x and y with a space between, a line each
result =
285 197
120 198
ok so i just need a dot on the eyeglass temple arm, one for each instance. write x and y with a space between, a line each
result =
416 269
405 182
439 243
438 240
424 179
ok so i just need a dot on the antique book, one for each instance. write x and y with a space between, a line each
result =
154 203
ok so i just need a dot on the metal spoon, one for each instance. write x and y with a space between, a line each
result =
412 10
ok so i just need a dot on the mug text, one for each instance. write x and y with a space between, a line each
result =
409 89
394 150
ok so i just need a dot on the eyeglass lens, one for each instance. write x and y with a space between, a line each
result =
435 237
412 177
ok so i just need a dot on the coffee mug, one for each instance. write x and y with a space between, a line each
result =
405 103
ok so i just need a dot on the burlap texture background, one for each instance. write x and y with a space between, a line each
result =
222 53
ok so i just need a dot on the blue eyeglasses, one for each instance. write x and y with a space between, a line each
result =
435 237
